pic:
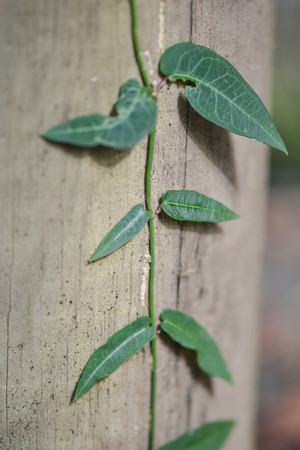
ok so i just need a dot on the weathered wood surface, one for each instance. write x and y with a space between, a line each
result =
63 59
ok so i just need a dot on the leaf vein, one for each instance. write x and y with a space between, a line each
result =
110 355
251 119
168 202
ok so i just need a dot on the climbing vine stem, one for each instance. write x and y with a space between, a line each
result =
135 36
149 162
151 144
137 112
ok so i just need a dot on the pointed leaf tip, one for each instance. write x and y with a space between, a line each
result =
188 333
118 349
136 109
195 207
220 94
125 230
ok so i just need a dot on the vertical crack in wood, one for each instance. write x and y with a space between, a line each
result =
188 396
191 19
8 323
185 169
188 401
7 355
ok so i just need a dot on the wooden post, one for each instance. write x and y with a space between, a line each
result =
64 59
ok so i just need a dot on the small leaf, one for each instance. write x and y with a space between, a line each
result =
188 333
118 349
210 436
136 109
128 227
195 207
221 94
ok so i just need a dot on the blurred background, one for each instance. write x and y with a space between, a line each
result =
279 396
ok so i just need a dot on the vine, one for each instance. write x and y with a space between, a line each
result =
149 163
219 93
151 145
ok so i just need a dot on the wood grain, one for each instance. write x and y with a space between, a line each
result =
64 59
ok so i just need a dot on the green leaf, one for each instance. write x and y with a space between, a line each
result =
118 349
188 333
195 207
128 227
210 436
221 94
136 109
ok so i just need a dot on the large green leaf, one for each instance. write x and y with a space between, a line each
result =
195 207
188 333
128 227
221 94
118 349
136 109
210 436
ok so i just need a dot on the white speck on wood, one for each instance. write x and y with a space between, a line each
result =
149 62
145 277
161 27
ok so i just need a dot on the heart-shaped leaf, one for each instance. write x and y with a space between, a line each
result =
136 109
118 349
188 333
195 207
221 94
210 436
128 227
